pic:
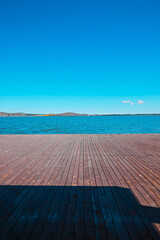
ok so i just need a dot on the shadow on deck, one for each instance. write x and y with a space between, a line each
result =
72 212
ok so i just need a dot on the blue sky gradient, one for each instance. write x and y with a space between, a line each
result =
82 56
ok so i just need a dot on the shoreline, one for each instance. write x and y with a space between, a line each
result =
78 115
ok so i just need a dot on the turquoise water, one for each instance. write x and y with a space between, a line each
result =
82 124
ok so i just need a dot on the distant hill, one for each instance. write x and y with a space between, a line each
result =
70 114
66 114
19 114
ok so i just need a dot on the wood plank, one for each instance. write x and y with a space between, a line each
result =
84 186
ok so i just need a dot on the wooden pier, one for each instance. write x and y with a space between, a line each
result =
80 187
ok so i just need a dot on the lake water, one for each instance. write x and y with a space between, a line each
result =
80 125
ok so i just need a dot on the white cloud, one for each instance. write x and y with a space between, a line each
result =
126 101
140 102
132 103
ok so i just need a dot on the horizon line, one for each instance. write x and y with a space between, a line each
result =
74 114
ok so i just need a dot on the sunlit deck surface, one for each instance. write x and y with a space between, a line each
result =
80 187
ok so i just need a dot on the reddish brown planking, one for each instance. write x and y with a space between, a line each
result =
98 186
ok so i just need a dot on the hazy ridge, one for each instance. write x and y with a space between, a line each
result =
21 114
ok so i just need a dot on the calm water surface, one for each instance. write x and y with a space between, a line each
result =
82 124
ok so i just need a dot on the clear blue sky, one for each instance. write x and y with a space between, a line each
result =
84 56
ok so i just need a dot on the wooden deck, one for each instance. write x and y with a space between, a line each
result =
80 187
